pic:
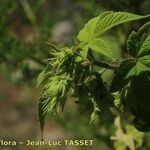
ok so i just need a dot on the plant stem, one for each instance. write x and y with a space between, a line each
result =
102 64
105 64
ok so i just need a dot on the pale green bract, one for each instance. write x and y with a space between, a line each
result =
54 93
55 80
40 78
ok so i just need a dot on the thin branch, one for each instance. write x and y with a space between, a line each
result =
106 64
101 64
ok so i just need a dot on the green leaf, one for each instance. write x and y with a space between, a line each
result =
139 43
100 96
138 47
141 96
136 99
129 68
98 25
88 32
42 111
142 65
145 60
84 49
145 48
114 19
40 78
141 124
100 46
91 32
96 84
120 80
95 114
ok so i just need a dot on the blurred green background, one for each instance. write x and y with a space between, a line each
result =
25 27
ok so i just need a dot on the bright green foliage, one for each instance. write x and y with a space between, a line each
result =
139 48
88 32
74 68
133 80
98 25
99 45
142 65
